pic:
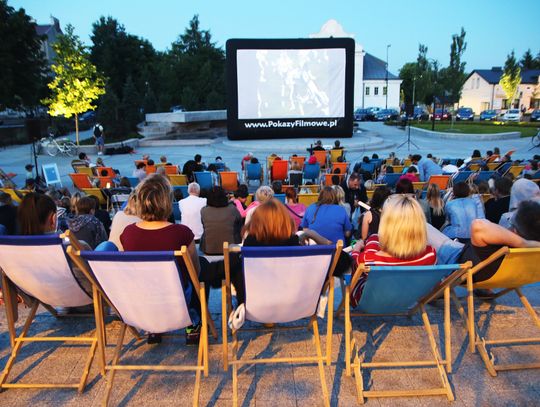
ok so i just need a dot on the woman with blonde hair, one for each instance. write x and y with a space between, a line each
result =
401 241
436 206
263 194
122 219
340 196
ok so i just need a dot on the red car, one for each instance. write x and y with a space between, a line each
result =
442 114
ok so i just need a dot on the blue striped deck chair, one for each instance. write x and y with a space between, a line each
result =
519 268
148 294
377 161
503 168
391 180
282 284
254 172
462 176
183 188
133 181
312 172
369 167
204 179
401 291
483 176
36 267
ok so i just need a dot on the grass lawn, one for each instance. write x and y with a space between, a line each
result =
480 128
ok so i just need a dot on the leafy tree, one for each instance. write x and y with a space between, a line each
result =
419 77
150 102
453 77
511 78
108 112
131 105
529 62
21 60
76 85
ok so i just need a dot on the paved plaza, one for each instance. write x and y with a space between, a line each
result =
380 339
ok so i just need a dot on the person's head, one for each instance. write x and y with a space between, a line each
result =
335 179
212 168
198 158
73 201
146 157
264 193
5 199
83 156
483 187
375 156
163 159
150 162
415 158
389 169
276 186
103 173
412 170
254 160
131 205
369 184
194 189
217 198
337 144
503 186
161 170
242 192
476 154
295 166
154 198
318 143
218 159
340 194
526 220
327 196
178 194
30 183
489 153
365 159
380 195
402 229
497 151
124 183
36 214
354 181
460 162
312 159
534 165
141 165
523 190
461 190
85 206
404 186
271 223
99 162
291 195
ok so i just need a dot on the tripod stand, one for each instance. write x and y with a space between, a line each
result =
408 141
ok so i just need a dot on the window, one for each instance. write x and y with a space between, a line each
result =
367 90
384 90
376 90
477 83
505 104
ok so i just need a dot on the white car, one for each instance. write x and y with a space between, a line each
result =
512 115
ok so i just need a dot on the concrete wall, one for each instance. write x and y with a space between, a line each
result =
379 100
187 117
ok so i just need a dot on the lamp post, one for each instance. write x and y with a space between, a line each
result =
386 75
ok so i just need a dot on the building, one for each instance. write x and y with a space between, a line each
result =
49 33
370 73
481 91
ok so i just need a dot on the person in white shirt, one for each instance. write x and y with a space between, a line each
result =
190 208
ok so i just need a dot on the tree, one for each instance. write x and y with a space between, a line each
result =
76 84
453 77
131 105
21 60
419 78
108 112
511 78
529 62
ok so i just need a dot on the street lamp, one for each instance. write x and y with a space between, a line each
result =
386 75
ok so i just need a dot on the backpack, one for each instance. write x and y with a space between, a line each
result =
97 131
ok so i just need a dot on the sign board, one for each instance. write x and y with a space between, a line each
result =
51 173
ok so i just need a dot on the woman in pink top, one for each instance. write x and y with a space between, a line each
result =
296 210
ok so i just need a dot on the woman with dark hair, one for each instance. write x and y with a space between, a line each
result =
240 198
460 213
327 217
404 186
212 168
297 210
36 215
370 219
221 222
436 206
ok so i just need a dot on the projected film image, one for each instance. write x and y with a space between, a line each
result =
291 83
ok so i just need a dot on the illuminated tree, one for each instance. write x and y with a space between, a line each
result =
76 84
511 78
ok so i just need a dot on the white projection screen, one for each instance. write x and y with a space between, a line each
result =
290 88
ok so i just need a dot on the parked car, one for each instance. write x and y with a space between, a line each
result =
89 116
386 114
420 113
362 115
373 112
442 114
512 115
465 113
488 115
535 115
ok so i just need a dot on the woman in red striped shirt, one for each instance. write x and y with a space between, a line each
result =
401 241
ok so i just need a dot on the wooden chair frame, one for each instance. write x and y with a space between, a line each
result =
509 279
354 366
10 292
320 359
114 366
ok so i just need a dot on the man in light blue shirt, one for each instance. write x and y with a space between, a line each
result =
426 167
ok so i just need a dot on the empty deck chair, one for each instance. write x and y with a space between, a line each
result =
229 180
282 284
81 181
204 179
442 181
299 159
279 170
308 199
312 172
37 267
254 172
462 176
401 291
171 169
147 294
321 156
515 170
519 268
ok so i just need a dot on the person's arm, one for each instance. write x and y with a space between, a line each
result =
311 234
192 251
484 232
366 220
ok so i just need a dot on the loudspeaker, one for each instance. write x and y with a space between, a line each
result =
33 129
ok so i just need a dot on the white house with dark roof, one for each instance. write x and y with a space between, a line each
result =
481 91
370 73
49 33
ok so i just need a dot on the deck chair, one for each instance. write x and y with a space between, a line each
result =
279 170
391 179
147 294
462 176
109 170
308 199
515 170
204 179
519 268
254 172
503 167
335 154
442 181
171 169
83 169
103 201
492 166
229 180
482 176
312 172
398 169
81 181
474 167
321 156
282 284
16 194
401 291
150 169
343 167
49 283
104 181
419 186
295 178
300 159
313 189
178 179
328 179
369 167
183 188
